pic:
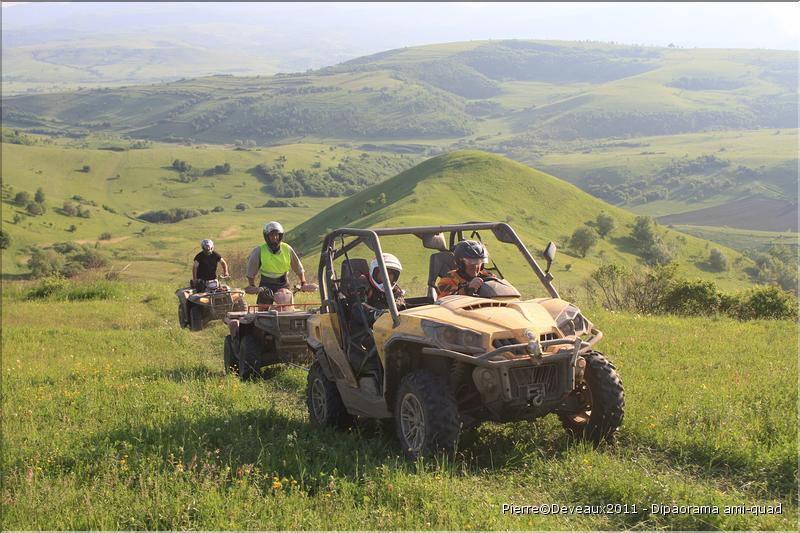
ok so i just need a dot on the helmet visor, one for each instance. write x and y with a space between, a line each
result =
473 262
394 275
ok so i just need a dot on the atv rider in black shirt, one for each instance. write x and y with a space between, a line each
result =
204 268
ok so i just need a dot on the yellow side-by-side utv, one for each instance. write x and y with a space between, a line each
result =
443 364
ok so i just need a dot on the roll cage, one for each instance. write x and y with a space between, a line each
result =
432 237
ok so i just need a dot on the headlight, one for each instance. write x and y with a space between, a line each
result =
571 322
453 338
203 299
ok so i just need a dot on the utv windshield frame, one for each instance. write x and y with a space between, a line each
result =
428 234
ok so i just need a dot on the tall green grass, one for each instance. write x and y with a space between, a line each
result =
114 418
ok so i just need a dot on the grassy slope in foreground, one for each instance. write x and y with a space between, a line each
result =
125 422
472 185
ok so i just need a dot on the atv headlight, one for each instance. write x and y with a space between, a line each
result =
203 299
453 338
571 322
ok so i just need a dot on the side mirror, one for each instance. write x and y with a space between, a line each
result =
550 254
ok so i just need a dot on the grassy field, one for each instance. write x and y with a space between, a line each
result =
135 181
741 240
771 156
114 418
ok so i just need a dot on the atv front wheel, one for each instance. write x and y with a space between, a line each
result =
230 358
182 318
603 400
196 318
426 415
249 350
325 406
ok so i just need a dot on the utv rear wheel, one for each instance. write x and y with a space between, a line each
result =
195 318
325 406
603 400
230 358
249 350
426 415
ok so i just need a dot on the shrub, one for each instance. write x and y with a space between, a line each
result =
765 302
605 224
218 209
45 263
22 198
717 260
57 288
39 196
5 239
49 286
34 209
582 239
105 236
692 298
170 216
90 258
86 169
69 208
242 206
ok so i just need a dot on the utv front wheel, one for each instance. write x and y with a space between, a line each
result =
426 415
602 399
195 318
325 406
230 358
182 318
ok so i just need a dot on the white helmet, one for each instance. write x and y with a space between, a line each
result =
392 263
271 226
207 244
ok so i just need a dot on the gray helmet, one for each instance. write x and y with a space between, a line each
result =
207 244
471 250
271 226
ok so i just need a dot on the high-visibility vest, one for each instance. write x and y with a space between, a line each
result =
275 265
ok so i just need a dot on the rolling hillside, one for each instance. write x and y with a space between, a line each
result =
471 185
559 106
558 90
116 184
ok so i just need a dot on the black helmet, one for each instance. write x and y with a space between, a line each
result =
471 250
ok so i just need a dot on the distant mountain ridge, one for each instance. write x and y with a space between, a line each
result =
560 90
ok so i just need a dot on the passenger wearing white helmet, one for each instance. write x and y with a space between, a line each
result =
376 304
204 268
363 316
273 260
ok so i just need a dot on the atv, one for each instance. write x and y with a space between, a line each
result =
198 308
442 365
272 332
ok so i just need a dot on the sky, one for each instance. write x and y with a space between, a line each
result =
369 27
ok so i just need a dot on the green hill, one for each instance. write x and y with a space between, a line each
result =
471 185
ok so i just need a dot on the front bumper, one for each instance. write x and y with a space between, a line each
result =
522 386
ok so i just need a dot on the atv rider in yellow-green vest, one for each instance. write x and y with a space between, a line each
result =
273 260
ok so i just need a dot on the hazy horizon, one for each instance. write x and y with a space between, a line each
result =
370 27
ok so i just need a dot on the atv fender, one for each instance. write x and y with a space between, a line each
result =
233 327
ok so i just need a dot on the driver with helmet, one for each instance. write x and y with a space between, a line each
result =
273 260
468 278
204 268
